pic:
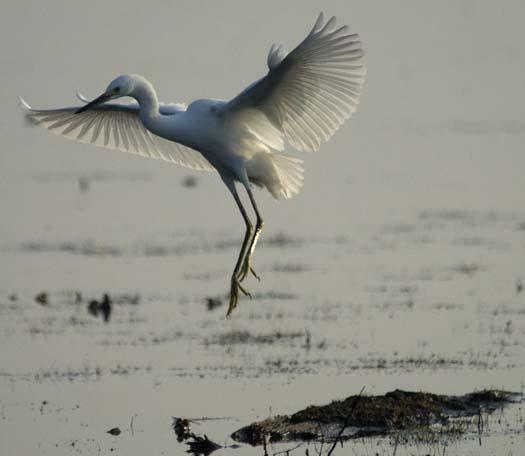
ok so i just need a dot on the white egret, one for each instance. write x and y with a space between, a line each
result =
304 98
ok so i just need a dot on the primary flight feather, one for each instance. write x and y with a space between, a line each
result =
303 99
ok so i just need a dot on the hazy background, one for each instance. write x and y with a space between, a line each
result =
440 121
409 232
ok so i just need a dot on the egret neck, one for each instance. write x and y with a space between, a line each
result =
146 97
164 125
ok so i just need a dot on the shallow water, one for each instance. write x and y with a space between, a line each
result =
398 266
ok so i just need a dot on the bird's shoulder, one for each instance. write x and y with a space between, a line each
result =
172 108
206 106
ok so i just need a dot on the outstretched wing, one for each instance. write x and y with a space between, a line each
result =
117 127
306 94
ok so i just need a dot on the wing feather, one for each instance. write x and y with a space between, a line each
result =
117 127
308 93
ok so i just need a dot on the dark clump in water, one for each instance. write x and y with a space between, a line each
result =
371 415
181 427
42 298
114 431
213 303
198 445
103 307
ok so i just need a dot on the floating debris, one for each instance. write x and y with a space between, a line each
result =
42 406
181 427
198 445
213 303
42 298
114 431
202 445
103 307
372 415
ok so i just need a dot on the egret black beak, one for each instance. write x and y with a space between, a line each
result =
99 100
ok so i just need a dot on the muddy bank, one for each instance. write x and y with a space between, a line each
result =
362 415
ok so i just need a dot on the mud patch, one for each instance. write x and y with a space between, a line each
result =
358 416
246 337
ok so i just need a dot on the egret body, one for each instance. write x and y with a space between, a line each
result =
303 99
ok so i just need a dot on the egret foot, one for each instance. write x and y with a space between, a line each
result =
247 267
234 297
244 291
255 274
234 294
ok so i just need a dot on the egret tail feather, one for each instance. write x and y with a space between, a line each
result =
280 174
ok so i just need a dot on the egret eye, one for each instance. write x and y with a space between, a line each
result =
116 89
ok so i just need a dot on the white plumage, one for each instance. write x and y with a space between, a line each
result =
310 92
117 126
303 99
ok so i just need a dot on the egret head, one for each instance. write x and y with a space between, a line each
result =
120 87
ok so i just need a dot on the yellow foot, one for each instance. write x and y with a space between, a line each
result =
234 294
255 274
247 267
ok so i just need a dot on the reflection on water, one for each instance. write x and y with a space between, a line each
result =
432 313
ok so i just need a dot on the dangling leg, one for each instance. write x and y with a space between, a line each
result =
235 281
247 265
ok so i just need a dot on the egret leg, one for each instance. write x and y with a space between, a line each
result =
235 281
247 265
